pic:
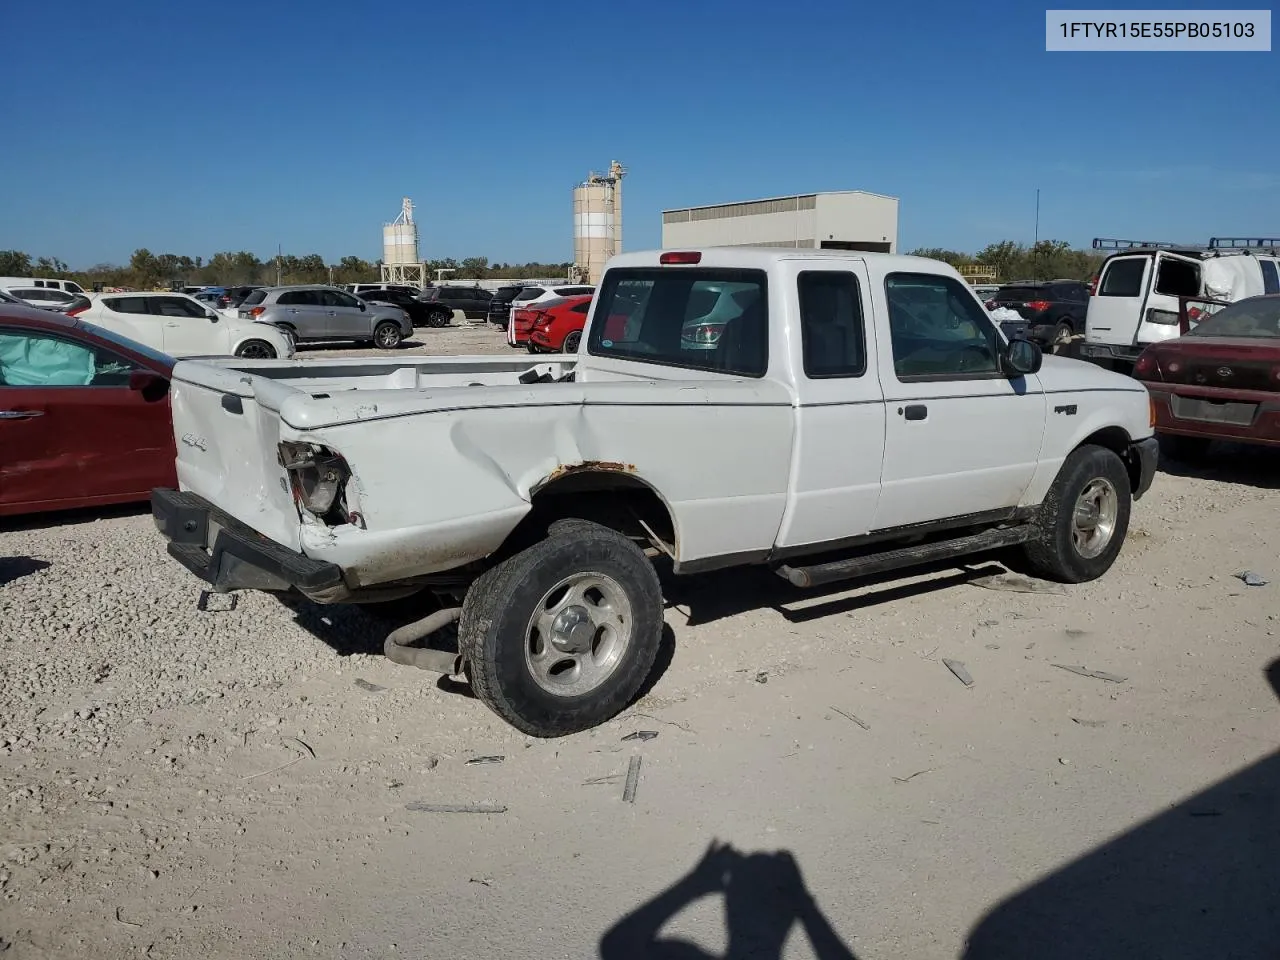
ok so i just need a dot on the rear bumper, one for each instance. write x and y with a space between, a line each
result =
1147 454
1124 352
229 555
1263 429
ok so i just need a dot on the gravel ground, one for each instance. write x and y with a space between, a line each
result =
235 782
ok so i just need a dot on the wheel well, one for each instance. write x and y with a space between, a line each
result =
614 499
1118 442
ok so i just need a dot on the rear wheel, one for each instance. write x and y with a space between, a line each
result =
559 637
439 318
386 335
1185 449
1083 521
256 350
572 341
1063 333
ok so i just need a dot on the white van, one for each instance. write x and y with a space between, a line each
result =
70 286
1138 294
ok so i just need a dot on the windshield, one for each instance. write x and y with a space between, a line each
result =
164 361
1259 317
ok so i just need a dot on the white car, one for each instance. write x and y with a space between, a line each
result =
46 298
182 326
842 426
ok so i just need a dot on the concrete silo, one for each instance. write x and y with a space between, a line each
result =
400 262
597 222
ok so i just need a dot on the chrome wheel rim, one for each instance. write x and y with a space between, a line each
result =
1093 522
387 337
578 634
256 351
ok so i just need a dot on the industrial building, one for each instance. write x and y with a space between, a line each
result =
597 222
843 220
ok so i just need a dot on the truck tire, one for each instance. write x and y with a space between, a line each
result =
560 637
1083 520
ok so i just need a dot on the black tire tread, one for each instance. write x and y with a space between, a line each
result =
1050 553
492 593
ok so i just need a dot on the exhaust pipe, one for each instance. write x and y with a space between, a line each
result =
397 647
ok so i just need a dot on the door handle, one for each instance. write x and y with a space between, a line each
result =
20 414
914 411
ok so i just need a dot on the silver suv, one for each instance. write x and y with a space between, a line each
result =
327 313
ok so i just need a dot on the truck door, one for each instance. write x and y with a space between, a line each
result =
1116 305
961 437
1175 276
835 485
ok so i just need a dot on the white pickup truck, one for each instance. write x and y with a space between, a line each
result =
827 414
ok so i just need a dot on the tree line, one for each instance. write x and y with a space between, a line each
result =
147 270
1046 260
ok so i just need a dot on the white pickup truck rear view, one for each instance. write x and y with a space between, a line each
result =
826 414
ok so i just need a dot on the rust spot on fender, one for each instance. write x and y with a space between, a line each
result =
590 466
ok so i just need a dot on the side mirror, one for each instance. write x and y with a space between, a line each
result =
1022 358
212 315
152 386
362 306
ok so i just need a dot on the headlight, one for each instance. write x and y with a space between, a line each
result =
317 476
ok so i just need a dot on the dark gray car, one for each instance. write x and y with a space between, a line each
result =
318 312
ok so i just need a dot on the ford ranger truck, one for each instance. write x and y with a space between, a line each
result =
824 414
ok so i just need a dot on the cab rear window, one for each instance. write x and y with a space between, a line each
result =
701 319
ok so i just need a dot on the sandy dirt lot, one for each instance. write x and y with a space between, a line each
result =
239 782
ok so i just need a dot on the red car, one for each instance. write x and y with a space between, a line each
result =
84 415
1220 380
556 326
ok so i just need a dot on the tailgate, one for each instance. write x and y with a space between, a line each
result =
227 427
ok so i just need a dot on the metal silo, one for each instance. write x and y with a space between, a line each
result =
597 221
400 238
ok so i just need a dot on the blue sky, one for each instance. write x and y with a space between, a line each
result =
192 129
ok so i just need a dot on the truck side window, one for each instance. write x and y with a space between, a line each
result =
831 328
1178 278
1123 277
938 329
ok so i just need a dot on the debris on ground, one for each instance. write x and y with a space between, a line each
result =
641 735
633 781
1095 674
958 668
1089 723
918 773
485 760
1012 583
364 684
850 716
1252 579
762 676
421 806
228 602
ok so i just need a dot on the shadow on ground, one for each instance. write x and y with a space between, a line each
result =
1201 880
765 897
59 518
15 568
1248 464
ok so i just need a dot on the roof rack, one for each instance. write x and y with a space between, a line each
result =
1269 244
1102 243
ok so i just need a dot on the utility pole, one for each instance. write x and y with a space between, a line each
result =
279 251
1035 247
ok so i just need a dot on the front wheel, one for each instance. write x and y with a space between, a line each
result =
560 637
256 350
386 335
439 318
1083 521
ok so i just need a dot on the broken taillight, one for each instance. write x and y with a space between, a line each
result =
1147 368
317 476
256 312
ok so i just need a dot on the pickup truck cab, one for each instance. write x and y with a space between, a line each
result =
847 413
